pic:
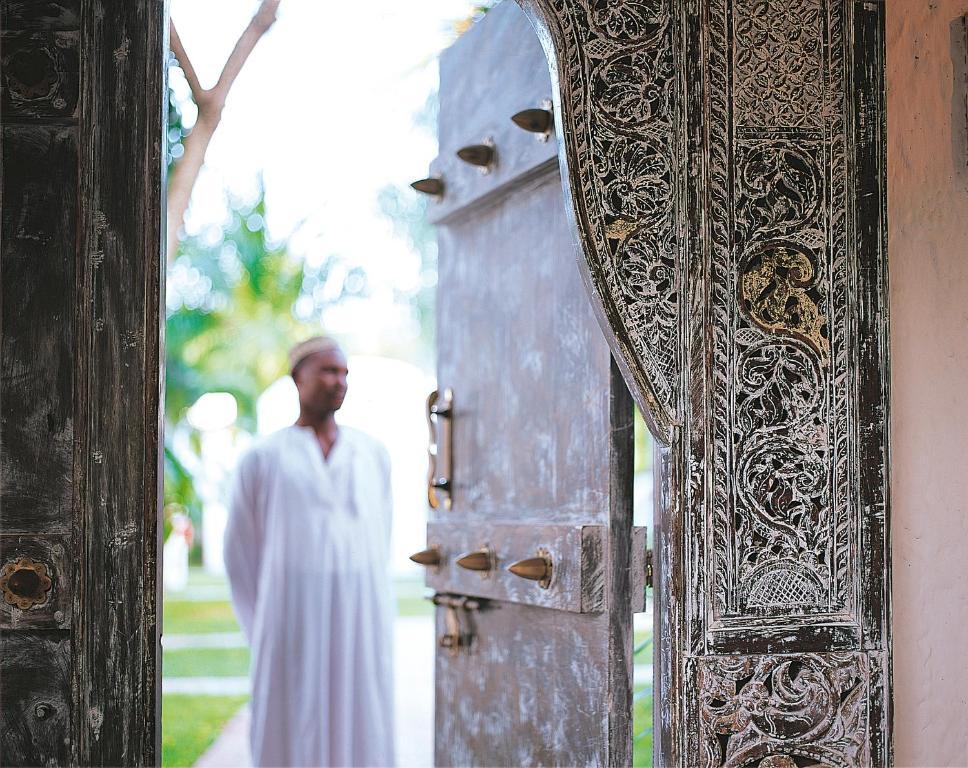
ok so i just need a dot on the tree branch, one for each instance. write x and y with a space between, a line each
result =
263 19
178 48
210 103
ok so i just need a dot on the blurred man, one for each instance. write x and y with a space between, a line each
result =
306 551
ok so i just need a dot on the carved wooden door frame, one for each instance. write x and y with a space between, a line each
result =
725 163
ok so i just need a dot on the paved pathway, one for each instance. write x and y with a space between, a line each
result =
206 686
231 748
413 701
208 640
413 695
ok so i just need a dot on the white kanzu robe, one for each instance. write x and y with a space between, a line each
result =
307 553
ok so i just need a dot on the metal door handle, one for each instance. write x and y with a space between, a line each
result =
440 415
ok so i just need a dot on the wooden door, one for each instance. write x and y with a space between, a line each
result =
536 451
83 90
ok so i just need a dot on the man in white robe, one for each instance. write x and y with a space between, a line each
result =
306 550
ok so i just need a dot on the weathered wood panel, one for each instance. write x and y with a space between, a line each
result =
542 468
541 437
80 378
35 699
476 104
36 357
577 554
40 76
40 14
526 694
116 634
39 96
619 575
865 53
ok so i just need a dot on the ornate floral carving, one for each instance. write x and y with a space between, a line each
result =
620 98
773 711
637 182
777 289
635 88
647 274
782 489
779 187
629 20
778 58
781 384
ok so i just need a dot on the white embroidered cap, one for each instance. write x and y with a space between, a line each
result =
310 347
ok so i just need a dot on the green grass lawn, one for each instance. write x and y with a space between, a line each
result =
642 729
198 617
411 600
642 704
199 577
189 725
195 617
206 662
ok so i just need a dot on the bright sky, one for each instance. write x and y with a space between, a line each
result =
324 108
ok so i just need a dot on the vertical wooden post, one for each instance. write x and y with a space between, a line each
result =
119 380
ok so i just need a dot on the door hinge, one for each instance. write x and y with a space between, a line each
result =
648 568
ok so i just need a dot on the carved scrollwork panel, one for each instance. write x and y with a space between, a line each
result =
778 532
783 711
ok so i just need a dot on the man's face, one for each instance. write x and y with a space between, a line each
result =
321 381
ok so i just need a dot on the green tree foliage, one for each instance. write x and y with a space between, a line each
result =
643 444
176 125
231 314
406 210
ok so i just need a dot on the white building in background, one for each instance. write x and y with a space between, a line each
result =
214 415
386 399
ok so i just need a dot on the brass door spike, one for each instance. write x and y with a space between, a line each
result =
481 155
539 568
429 186
533 120
481 560
429 557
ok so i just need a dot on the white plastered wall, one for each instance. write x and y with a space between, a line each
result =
928 252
